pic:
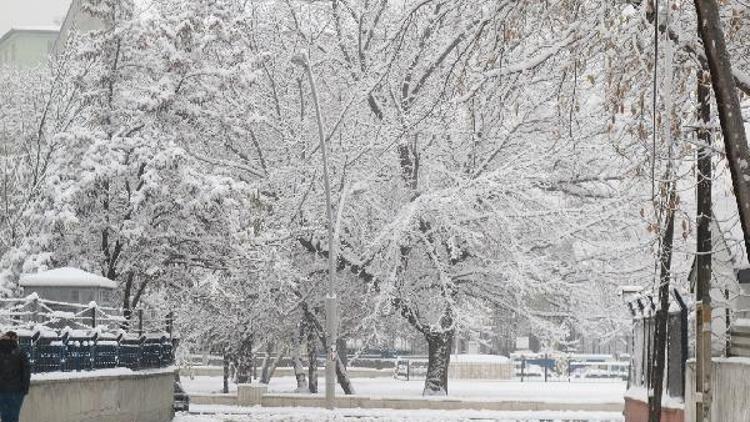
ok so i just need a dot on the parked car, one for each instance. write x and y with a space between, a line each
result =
181 398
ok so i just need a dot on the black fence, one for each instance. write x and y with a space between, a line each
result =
84 351
644 352
102 337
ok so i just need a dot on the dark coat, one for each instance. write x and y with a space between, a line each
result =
15 372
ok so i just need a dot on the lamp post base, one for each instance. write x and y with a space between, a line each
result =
331 335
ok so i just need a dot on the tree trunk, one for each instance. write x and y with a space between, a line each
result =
243 362
312 363
342 351
299 374
127 311
730 113
225 390
439 346
269 365
342 376
662 314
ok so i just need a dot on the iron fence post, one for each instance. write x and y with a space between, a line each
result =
140 322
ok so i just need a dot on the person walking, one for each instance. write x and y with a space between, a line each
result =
15 377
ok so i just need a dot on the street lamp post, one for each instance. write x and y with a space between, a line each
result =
330 302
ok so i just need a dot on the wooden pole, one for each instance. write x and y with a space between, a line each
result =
703 257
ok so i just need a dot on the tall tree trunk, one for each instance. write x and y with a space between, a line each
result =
662 314
243 361
342 375
269 364
299 374
342 351
439 346
225 390
730 113
312 363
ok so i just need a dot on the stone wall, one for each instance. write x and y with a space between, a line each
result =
101 396
730 388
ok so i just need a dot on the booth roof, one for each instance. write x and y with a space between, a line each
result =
66 277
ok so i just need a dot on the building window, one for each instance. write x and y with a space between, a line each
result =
75 296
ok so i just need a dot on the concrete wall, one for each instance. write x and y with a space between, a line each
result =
141 396
297 400
730 386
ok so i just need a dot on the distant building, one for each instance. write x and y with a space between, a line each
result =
70 285
728 287
76 21
742 307
27 46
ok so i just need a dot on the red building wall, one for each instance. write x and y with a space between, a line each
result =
637 411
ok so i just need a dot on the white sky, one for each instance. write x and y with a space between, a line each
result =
31 13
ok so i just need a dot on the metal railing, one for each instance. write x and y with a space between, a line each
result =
644 353
100 337
79 350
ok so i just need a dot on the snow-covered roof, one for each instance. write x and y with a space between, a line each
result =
38 28
35 29
66 277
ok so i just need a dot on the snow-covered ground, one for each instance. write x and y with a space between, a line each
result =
384 415
552 392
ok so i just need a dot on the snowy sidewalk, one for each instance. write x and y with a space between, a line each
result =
474 390
230 414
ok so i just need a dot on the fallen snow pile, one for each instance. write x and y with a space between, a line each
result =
238 414
110 372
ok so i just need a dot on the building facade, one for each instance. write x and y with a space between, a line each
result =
27 47
70 285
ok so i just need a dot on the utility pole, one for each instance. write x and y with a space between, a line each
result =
330 302
730 113
703 257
